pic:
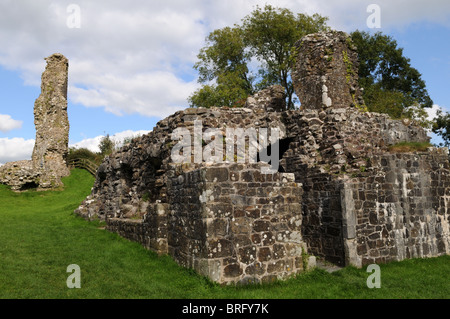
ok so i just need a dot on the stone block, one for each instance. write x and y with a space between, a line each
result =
264 254
247 255
241 225
232 270
261 225
218 248
217 227
256 268
216 174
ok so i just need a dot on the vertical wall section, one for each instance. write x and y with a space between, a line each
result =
231 223
400 211
244 227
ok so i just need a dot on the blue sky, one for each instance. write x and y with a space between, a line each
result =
130 63
428 47
18 99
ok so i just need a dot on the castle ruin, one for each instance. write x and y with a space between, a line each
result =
338 193
48 161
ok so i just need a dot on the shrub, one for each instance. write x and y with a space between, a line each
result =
76 153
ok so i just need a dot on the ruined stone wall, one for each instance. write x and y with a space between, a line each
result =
326 71
48 161
52 123
327 147
230 223
334 139
187 229
19 175
338 194
207 223
132 229
251 224
322 215
271 99
150 231
399 210
140 170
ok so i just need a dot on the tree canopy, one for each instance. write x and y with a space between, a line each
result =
391 85
239 60
106 145
441 127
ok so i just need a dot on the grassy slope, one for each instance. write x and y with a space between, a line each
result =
40 237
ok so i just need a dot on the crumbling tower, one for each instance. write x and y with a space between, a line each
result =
341 193
52 123
48 163
326 71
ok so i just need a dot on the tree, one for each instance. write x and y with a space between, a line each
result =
271 34
225 54
224 60
106 145
251 56
391 85
441 127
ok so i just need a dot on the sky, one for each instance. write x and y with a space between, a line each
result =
131 62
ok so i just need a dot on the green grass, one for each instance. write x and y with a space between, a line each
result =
406 147
40 236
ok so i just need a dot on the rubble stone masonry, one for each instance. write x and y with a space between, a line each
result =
48 161
340 193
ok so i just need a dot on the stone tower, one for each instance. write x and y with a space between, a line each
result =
52 123
326 71
48 161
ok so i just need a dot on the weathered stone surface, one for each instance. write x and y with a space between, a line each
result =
52 123
338 193
19 175
48 162
415 223
194 228
271 99
326 71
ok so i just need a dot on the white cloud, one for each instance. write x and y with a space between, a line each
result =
158 93
432 112
126 57
7 123
137 56
348 15
15 149
92 143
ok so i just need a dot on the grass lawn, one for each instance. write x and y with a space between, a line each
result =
40 236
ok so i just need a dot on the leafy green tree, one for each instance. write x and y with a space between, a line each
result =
224 60
270 35
391 85
441 127
106 145
251 56
225 54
